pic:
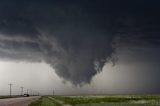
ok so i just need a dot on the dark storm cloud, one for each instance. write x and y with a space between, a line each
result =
75 37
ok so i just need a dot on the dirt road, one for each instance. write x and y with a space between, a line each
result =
23 101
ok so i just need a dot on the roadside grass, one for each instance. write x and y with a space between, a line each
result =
74 100
5 97
44 101
55 102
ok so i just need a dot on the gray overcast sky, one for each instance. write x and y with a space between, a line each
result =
71 46
126 77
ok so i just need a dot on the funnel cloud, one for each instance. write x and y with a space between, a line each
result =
76 38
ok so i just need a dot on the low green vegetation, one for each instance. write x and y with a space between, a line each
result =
117 100
44 101
4 97
94 100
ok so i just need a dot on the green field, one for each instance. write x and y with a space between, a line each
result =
45 101
4 97
127 100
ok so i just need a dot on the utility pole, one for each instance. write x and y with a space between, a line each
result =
31 91
10 86
53 92
22 90
27 91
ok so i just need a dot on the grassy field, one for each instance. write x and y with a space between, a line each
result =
4 97
45 101
130 100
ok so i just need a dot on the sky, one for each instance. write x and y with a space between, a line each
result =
80 47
